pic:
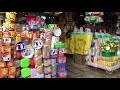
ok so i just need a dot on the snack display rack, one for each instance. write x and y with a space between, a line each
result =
31 50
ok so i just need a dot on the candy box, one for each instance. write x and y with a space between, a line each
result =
12 72
3 72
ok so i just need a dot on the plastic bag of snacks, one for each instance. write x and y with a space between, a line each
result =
47 75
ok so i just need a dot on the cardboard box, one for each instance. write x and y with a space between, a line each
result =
78 59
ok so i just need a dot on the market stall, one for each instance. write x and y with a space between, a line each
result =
32 49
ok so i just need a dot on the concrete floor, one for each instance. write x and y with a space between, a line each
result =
84 71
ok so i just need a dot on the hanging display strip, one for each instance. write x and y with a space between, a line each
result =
29 52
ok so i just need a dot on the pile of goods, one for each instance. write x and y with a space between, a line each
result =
103 52
31 51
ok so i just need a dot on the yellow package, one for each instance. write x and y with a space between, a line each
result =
79 44
87 38
72 44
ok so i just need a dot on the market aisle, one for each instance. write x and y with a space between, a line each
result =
84 71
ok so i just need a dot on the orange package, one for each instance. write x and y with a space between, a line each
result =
12 72
3 72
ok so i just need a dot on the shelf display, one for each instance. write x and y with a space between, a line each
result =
31 51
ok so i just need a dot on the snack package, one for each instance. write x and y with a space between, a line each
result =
6 38
10 64
3 72
12 72
61 51
17 63
18 37
54 70
46 51
2 64
39 70
38 61
48 75
47 69
33 72
6 51
32 22
62 74
53 61
17 75
32 63
46 61
61 59
38 52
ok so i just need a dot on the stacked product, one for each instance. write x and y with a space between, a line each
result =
61 60
29 52
103 53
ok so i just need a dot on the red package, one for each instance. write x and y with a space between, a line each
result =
32 63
